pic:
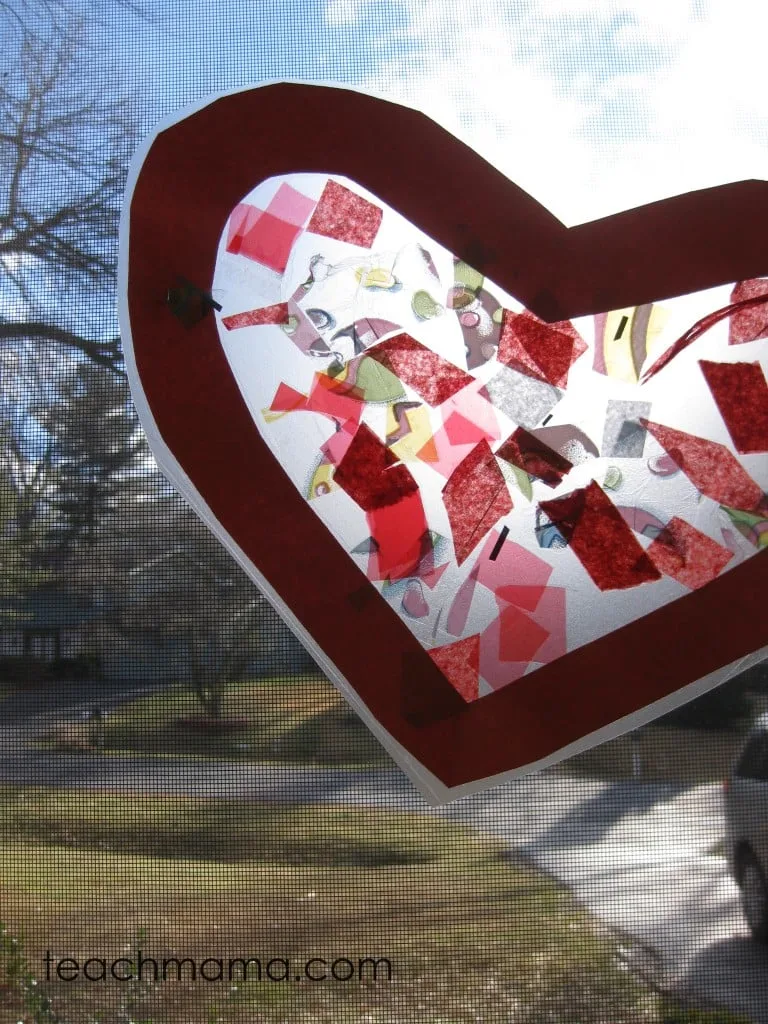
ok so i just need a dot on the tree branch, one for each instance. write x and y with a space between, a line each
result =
105 353
49 119
54 14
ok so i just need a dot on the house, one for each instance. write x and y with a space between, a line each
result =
46 624
54 633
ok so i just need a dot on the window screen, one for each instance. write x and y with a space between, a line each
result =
195 827
753 763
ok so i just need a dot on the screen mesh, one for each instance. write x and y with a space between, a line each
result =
194 826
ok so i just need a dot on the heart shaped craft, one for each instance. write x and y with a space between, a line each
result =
507 498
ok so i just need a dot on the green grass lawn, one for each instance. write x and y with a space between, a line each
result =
471 933
305 721
290 721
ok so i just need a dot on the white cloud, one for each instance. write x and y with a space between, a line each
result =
511 111
595 107
705 113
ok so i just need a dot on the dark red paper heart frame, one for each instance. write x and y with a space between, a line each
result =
195 173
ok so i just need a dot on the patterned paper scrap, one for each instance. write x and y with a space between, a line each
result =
624 434
525 400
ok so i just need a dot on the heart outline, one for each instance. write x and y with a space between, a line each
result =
546 710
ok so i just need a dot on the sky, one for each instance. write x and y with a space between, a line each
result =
592 106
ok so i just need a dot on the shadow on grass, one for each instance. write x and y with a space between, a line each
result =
198 844
223 832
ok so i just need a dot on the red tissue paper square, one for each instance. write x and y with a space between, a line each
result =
264 239
475 497
601 539
741 394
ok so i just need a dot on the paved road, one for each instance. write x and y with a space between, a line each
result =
637 855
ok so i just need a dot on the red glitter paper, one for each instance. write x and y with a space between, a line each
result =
369 474
741 393
475 497
345 216
460 664
749 324
398 531
433 378
529 453
277 314
545 351
600 538
688 555
710 467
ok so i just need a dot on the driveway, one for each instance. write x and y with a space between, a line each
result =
637 855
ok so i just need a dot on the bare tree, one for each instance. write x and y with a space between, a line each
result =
107 529
32 19
112 532
193 593
64 147
163 578
21 485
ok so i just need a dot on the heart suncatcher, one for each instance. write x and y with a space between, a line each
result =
507 499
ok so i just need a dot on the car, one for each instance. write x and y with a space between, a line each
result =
746 827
